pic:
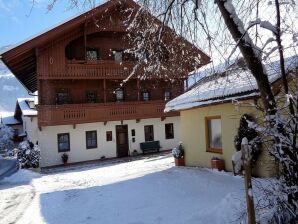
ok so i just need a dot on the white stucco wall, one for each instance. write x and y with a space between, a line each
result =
49 147
31 128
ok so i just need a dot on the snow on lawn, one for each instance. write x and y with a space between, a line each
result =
150 190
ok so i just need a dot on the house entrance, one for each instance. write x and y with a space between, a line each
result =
122 140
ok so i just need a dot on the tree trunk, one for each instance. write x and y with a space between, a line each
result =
253 61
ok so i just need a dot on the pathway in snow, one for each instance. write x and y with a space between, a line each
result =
150 190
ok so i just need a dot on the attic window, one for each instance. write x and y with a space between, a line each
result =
31 104
92 54
118 56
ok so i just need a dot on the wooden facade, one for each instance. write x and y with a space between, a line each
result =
78 66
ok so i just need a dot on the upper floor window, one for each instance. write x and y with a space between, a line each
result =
118 56
168 95
92 54
145 95
91 97
213 134
119 95
62 97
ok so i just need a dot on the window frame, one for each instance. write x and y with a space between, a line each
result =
65 99
148 97
86 96
208 148
146 140
109 136
58 137
114 51
92 49
123 95
166 133
92 146
169 97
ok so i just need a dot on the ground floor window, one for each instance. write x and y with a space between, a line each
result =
109 136
91 139
169 130
213 134
63 142
149 133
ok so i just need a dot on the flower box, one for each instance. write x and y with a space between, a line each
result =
179 162
218 164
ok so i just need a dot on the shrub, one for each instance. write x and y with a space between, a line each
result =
178 152
28 154
254 141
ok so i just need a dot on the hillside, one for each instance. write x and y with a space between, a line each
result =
10 89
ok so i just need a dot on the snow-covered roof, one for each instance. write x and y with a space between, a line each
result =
9 119
235 82
25 108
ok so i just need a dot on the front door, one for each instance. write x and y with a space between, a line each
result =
122 140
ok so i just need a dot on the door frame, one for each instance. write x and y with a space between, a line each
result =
127 140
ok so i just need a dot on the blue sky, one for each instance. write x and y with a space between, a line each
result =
18 22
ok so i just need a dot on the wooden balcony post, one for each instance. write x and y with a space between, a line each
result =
104 91
138 88
85 41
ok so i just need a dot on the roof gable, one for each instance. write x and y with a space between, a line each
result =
21 58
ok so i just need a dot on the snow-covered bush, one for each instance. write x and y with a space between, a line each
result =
254 142
244 131
178 152
6 134
28 155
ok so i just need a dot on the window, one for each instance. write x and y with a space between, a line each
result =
133 132
91 97
169 129
149 133
62 97
109 136
118 56
92 54
145 95
119 95
91 139
168 95
63 142
213 134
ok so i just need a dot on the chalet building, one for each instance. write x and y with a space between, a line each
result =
83 110
23 120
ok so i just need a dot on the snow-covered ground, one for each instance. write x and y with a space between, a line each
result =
150 190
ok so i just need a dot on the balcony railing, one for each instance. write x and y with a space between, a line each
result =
102 69
49 115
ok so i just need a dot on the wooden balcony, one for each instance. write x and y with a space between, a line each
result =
102 69
49 115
